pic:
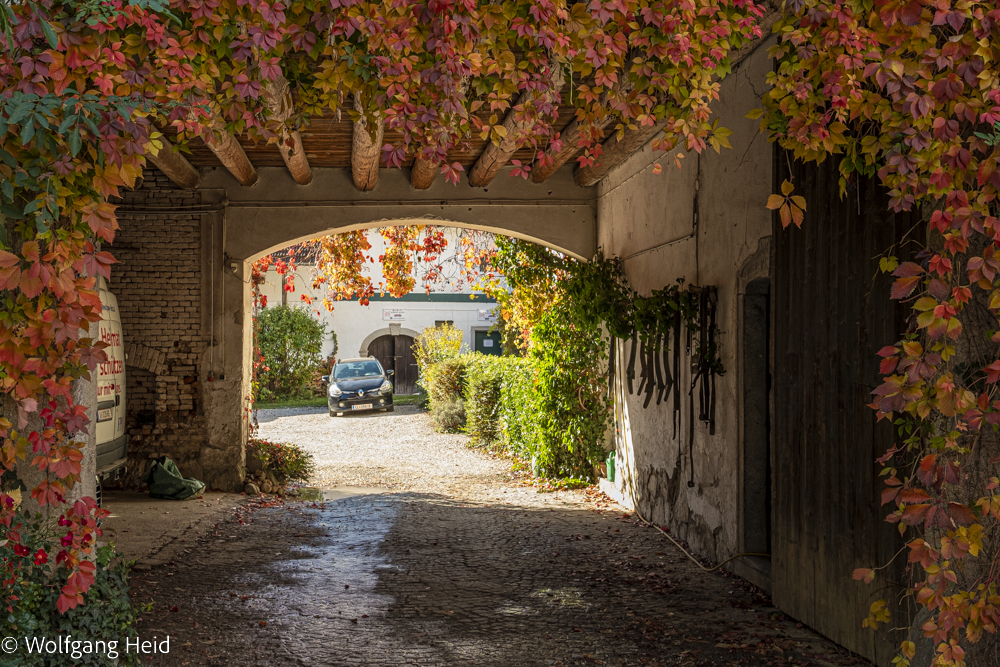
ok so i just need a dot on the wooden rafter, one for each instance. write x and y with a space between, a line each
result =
423 173
570 147
496 156
175 166
279 100
232 157
366 151
615 152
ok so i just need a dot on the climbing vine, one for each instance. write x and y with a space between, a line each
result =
908 91
570 315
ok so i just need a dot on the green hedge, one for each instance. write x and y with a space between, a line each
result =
517 405
501 404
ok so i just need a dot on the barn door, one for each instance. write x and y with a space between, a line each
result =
831 314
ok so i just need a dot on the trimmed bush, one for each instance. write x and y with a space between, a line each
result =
444 380
449 415
284 461
436 344
533 407
290 341
501 404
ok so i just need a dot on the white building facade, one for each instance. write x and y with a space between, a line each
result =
366 330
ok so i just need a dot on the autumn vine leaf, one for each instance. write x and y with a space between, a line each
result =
791 208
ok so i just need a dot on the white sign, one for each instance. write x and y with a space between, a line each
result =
393 315
487 342
487 316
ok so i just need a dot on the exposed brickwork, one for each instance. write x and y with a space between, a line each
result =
158 285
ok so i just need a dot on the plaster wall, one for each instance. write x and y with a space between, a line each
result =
705 223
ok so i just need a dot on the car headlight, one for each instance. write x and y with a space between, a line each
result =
335 390
386 387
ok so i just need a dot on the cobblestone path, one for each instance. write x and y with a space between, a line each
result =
482 572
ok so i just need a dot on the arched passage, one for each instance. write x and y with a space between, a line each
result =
241 224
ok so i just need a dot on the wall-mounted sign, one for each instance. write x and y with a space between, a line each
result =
487 315
393 315
487 342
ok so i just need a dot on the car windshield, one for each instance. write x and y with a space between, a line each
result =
357 369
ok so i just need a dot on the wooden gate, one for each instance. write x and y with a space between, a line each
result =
396 353
831 314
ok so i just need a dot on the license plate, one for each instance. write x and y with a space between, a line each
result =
104 415
363 406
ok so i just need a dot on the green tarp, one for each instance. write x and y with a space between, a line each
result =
165 481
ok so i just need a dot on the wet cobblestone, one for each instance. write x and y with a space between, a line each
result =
499 576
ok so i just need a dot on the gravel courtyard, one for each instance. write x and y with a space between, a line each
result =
397 450
425 552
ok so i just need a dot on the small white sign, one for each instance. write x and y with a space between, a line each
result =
487 342
487 315
393 315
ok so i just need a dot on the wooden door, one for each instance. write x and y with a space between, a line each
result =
383 348
405 365
488 343
395 353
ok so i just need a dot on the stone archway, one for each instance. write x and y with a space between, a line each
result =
277 213
391 330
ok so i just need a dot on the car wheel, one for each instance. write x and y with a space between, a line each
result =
332 413
391 408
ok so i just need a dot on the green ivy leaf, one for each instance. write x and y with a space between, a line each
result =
50 34
75 142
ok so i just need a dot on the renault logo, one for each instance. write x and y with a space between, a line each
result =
361 393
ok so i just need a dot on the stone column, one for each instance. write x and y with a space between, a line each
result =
226 366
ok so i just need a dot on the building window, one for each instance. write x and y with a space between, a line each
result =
441 323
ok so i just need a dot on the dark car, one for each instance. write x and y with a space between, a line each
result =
358 385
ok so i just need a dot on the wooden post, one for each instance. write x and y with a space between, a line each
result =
279 102
615 152
495 156
570 147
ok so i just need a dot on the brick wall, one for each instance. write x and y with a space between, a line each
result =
158 285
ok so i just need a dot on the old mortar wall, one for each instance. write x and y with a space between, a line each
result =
164 289
706 223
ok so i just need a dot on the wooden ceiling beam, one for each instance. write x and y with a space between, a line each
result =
617 150
423 173
366 152
496 156
278 96
232 157
570 148
175 166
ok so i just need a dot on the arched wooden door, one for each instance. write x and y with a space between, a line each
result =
396 353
